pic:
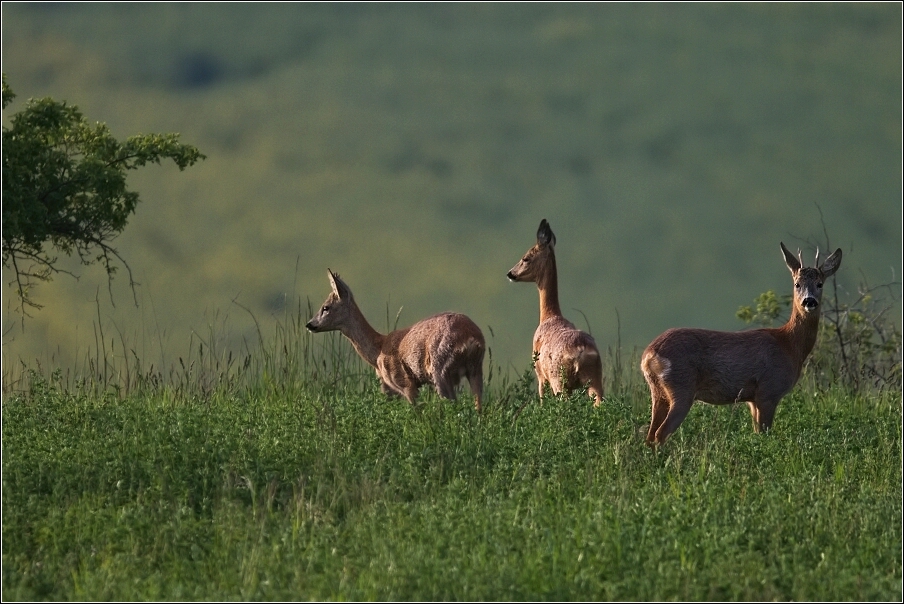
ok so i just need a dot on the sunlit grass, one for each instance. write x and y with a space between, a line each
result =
315 486
170 452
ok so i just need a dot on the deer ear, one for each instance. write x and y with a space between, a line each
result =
792 262
831 264
336 283
545 235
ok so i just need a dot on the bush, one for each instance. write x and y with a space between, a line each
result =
859 344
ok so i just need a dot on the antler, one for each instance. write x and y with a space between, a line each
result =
817 257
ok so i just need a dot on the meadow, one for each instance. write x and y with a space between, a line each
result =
189 440
287 475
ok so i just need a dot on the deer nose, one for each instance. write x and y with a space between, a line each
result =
310 325
809 303
510 276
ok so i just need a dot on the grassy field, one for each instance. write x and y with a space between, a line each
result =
200 445
287 475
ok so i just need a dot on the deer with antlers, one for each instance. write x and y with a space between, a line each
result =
759 366
566 357
440 350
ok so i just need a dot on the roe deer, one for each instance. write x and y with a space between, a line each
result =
759 366
440 350
566 357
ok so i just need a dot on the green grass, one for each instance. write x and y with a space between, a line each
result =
415 150
324 489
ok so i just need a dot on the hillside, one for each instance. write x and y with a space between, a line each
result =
414 150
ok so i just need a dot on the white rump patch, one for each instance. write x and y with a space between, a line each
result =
656 364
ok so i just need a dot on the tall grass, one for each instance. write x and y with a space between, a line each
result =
285 360
283 473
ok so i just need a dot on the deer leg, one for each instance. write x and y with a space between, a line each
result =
541 380
475 380
679 407
403 388
754 415
396 376
388 390
445 387
659 410
558 380
410 393
596 391
592 376
765 413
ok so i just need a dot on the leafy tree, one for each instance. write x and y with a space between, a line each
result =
64 188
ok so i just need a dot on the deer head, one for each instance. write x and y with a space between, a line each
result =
808 282
335 310
535 262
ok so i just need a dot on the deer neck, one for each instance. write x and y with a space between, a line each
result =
548 285
367 341
799 334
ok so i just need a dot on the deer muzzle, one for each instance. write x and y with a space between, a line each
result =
809 303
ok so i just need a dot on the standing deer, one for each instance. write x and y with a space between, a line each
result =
758 366
440 350
566 357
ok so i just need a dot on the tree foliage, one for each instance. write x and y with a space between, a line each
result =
64 188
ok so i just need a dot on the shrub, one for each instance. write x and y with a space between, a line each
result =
859 344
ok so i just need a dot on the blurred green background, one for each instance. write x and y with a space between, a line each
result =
415 148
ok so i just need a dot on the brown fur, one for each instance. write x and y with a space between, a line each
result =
758 366
567 358
439 350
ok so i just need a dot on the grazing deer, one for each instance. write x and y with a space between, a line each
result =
759 366
566 357
440 350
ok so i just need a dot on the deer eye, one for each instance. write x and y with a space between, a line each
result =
325 308
819 284
797 285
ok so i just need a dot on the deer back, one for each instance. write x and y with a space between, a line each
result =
721 367
446 342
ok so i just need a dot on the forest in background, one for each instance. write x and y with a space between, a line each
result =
414 150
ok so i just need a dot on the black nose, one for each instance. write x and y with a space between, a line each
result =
510 276
309 326
809 303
